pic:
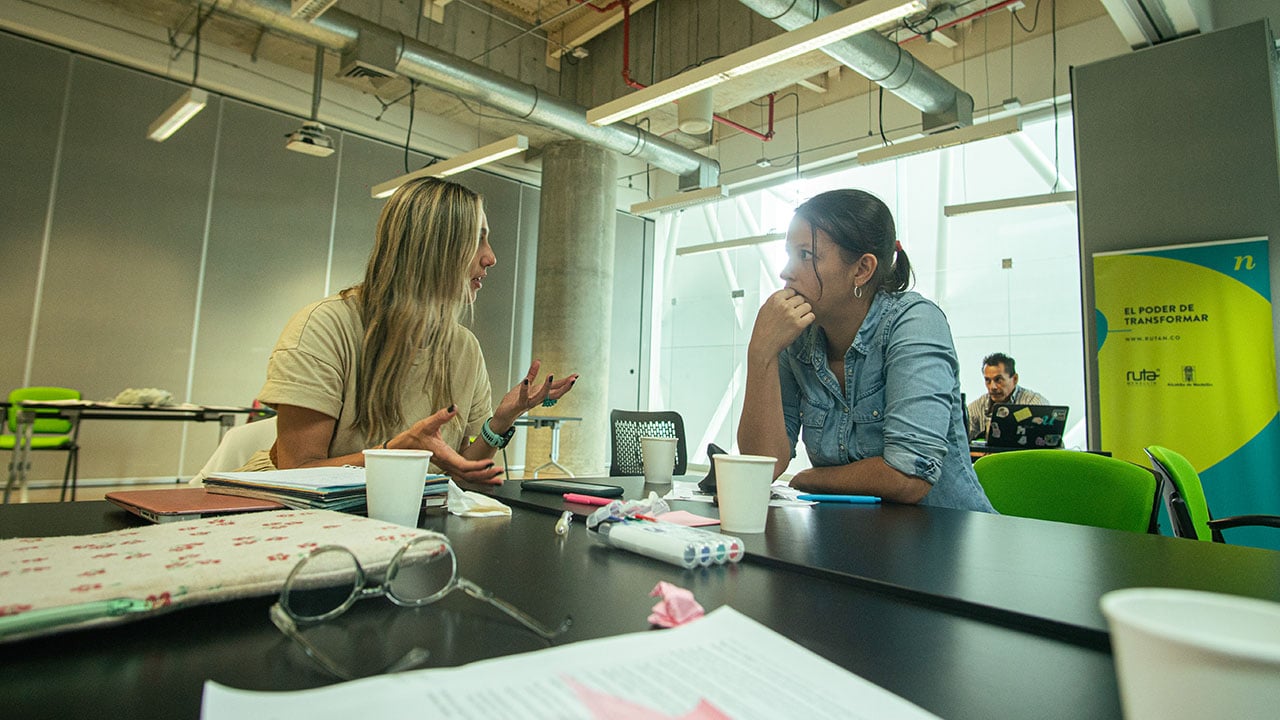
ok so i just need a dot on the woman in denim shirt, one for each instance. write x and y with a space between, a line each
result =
863 370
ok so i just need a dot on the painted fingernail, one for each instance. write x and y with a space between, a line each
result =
526 382
452 408
551 379
489 466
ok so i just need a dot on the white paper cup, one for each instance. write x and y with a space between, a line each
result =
742 491
394 481
1190 654
658 455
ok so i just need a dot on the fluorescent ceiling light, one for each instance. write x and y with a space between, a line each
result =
1067 197
191 102
730 244
487 154
820 33
680 201
949 138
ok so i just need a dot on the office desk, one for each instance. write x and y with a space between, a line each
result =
534 422
1031 575
84 410
954 666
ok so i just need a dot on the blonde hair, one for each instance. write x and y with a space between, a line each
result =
414 291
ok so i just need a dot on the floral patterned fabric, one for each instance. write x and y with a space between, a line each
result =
178 564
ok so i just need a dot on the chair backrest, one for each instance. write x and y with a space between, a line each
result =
626 427
1183 495
1070 486
237 446
42 425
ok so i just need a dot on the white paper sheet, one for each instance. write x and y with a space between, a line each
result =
722 666
783 494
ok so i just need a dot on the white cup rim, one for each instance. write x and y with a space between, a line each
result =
1131 606
398 453
744 458
663 439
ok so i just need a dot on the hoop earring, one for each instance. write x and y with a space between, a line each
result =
857 291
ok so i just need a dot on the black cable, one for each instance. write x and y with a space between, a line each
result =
195 66
883 139
915 27
1035 18
1053 25
409 133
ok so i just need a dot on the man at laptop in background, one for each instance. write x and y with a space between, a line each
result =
1002 387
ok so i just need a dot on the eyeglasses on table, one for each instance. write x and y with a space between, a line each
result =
327 581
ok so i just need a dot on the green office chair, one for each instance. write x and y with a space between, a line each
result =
1185 503
46 434
1070 486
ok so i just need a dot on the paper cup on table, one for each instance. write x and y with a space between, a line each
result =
1190 654
658 455
742 491
394 481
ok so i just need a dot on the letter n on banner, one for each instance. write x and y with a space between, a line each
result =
1186 359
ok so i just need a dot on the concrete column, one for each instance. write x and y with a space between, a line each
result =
573 301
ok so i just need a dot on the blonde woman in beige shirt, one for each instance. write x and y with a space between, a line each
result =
386 363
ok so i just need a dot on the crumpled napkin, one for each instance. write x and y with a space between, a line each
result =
677 606
465 503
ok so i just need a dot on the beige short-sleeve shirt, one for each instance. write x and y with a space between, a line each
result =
314 366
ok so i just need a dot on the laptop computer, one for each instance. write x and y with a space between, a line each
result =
177 504
1025 427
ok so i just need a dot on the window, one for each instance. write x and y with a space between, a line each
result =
1009 280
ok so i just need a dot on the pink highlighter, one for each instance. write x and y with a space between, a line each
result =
586 499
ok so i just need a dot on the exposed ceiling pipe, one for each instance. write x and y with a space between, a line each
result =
340 31
882 61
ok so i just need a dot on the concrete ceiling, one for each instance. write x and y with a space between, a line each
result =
534 42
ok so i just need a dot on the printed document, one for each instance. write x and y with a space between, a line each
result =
724 665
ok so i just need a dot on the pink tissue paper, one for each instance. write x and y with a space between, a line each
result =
677 606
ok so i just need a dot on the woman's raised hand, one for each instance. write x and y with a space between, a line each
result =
529 394
784 315
425 435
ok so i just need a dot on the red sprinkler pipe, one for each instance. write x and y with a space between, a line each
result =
626 70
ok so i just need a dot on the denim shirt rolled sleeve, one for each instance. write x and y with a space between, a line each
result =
900 402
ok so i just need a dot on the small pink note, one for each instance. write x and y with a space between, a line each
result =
677 606
688 519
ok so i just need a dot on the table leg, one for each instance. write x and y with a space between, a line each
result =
555 453
225 423
21 455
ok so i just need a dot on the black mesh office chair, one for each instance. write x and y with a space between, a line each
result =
626 429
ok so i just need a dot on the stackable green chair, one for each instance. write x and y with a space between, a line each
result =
1070 486
46 434
1185 503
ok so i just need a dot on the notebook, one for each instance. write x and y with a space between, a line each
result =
177 504
1023 427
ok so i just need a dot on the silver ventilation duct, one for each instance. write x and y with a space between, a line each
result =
348 34
882 61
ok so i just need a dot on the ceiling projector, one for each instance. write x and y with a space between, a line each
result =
310 139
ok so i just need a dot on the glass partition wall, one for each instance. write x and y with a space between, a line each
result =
1008 279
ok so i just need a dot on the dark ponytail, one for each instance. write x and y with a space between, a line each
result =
861 223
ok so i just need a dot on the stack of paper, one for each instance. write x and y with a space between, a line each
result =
325 488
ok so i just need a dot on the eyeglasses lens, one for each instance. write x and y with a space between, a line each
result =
322 584
424 572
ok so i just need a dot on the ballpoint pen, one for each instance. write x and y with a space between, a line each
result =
854 499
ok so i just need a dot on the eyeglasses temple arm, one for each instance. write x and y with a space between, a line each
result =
286 625
514 612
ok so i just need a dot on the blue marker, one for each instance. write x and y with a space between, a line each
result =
853 499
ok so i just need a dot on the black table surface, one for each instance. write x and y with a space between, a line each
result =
1034 575
955 666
